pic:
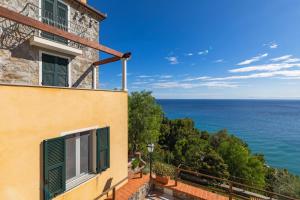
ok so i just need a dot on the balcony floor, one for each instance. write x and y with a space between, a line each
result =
134 183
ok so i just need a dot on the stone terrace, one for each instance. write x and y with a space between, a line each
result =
137 188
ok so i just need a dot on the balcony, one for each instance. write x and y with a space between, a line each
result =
44 29
13 31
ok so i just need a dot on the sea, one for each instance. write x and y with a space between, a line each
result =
271 127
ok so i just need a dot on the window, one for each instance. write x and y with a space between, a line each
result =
103 149
55 71
79 156
55 13
71 160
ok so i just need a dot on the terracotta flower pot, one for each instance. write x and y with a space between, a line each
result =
162 179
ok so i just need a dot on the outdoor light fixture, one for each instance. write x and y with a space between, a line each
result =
150 148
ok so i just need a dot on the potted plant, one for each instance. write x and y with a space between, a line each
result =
163 172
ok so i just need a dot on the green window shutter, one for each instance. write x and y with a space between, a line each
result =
55 71
62 16
61 72
55 14
103 149
62 20
48 69
54 167
48 14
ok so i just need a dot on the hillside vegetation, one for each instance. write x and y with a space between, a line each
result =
220 154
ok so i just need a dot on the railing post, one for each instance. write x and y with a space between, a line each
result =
124 74
230 191
176 176
114 194
95 77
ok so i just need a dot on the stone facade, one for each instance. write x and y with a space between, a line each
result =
19 61
142 192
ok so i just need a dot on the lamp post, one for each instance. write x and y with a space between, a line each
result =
150 148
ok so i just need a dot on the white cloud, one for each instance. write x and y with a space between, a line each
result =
253 59
281 58
216 84
203 52
162 80
144 76
189 54
128 74
292 60
273 45
172 84
284 73
176 84
285 59
172 60
266 67
219 61
197 78
139 82
290 78
165 76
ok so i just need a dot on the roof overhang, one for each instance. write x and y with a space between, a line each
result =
100 16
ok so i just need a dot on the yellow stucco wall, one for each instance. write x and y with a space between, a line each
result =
29 115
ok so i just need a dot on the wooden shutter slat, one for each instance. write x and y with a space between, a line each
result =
54 167
55 71
103 149
61 72
108 146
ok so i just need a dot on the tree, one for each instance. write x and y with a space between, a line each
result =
242 166
175 130
196 154
145 117
283 182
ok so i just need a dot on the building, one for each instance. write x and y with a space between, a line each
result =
61 136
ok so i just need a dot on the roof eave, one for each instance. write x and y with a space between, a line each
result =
101 16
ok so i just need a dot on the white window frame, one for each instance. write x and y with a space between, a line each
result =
82 177
41 52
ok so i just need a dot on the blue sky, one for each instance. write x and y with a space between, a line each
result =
204 48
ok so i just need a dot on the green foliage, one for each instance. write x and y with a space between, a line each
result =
283 182
248 168
135 163
162 169
177 142
145 117
196 154
174 130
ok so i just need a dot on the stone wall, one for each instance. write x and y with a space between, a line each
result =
19 61
142 192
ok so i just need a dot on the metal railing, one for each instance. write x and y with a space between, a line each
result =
12 33
232 189
141 166
113 189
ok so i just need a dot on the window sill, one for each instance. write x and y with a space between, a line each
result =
48 44
78 181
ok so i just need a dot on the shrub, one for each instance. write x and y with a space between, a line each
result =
162 169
